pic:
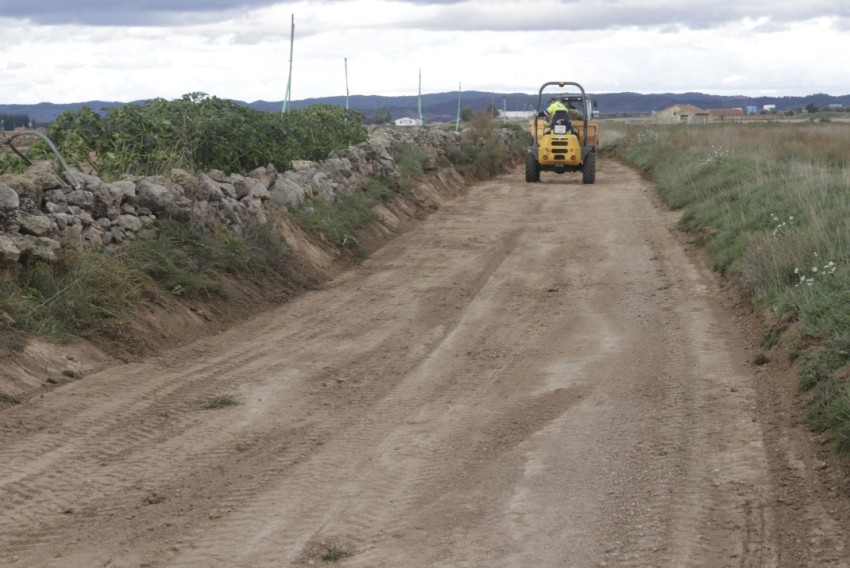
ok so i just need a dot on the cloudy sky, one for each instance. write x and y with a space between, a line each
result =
123 50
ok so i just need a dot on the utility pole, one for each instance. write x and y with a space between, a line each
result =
289 82
346 83
421 122
457 120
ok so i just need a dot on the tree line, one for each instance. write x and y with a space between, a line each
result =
12 121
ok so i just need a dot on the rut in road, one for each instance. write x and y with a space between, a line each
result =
536 375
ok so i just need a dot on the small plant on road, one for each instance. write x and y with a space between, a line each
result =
8 399
335 552
155 499
220 401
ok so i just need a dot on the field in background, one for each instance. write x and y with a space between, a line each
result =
770 203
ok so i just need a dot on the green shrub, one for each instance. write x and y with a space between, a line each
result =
199 132
10 164
465 154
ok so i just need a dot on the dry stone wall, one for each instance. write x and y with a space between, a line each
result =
40 213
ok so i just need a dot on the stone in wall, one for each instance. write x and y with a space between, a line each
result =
155 196
10 209
37 225
10 253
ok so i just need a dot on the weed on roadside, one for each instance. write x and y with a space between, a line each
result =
180 259
837 417
380 190
337 220
80 295
11 340
409 159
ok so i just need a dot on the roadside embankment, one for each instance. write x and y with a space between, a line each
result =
769 204
91 270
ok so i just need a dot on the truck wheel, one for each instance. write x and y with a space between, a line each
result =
588 170
532 170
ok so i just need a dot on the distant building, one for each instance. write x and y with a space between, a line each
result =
681 113
751 109
836 106
725 114
769 108
516 114
406 121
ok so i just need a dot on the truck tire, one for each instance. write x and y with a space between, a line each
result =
588 170
532 170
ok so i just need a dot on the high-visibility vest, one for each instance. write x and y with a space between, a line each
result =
555 107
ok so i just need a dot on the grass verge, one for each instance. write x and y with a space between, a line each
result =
92 294
769 202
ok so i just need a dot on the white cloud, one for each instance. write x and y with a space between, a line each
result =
749 48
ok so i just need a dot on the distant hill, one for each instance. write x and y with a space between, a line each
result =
439 107
443 106
47 112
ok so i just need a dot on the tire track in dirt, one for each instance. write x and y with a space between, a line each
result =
329 467
467 449
81 450
151 410
725 518
483 278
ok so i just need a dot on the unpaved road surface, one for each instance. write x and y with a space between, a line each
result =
535 376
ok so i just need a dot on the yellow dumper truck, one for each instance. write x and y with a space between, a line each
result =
565 136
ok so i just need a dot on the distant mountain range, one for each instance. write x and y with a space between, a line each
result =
440 107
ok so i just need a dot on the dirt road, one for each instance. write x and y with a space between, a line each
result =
536 375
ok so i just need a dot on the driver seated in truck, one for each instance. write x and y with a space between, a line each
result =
559 118
554 106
